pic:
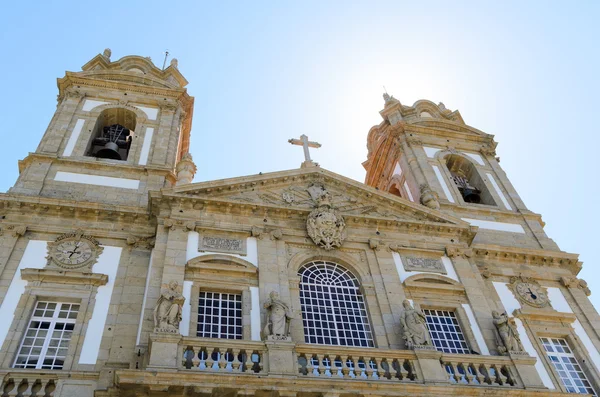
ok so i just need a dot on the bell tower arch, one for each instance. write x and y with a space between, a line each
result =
119 130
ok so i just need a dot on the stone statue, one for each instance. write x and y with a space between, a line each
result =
278 316
508 333
167 313
414 326
107 53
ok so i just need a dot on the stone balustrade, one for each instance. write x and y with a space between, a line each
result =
356 363
28 385
221 355
479 370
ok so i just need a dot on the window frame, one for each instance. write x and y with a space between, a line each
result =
457 324
54 321
220 316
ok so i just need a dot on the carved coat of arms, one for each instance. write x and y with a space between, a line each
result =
324 225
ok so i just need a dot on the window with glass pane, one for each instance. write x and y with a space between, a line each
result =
333 309
47 337
445 332
564 361
220 315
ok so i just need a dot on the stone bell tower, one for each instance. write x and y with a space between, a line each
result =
119 130
426 153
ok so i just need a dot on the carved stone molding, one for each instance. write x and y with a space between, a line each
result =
40 276
453 252
325 226
276 234
16 230
257 232
136 242
176 224
574 282
429 198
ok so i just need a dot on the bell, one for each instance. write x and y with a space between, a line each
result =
109 151
471 195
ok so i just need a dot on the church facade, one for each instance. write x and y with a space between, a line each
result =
121 277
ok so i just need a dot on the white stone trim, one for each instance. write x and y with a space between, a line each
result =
403 274
186 310
193 244
497 188
476 330
34 257
510 304
96 180
254 314
500 226
560 304
74 137
90 104
151 113
146 146
108 263
442 181
475 157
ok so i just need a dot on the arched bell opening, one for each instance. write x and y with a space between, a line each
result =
468 181
112 134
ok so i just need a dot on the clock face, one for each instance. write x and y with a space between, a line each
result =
73 253
532 294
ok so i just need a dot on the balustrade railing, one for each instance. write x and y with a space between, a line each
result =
26 386
221 355
479 370
350 363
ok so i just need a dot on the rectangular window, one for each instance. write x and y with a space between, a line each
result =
564 361
220 315
48 334
445 332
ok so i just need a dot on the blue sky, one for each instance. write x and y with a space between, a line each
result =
262 73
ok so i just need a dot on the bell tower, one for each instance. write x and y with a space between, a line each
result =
426 153
119 130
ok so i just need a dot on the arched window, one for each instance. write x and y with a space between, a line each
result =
333 308
111 137
467 179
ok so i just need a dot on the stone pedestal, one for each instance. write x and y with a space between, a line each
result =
164 349
429 361
525 365
280 353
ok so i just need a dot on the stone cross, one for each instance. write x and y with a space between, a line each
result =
303 141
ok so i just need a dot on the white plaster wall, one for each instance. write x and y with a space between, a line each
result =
475 157
510 304
34 257
139 332
410 196
96 180
194 241
431 151
90 104
442 181
560 304
151 113
403 274
397 169
186 311
497 189
108 263
74 137
476 330
499 226
146 146
254 314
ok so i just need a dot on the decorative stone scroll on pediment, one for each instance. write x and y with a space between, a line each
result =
74 250
325 226
574 282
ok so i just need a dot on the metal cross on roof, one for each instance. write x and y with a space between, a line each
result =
304 142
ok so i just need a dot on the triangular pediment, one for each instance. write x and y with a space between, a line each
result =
299 189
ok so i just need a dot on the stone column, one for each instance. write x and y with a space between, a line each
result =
427 196
525 365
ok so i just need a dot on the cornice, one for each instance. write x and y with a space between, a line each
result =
462 132
528 256
63 277
544 315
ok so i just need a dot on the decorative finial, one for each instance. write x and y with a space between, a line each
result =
149 58
107 53
174 62
386 97
186 169
442 106
305 143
